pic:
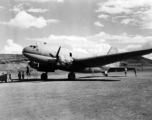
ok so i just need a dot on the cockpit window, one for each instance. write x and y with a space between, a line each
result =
32 46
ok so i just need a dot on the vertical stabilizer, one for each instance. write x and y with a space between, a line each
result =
113 50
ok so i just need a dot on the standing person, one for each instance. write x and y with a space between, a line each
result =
9 76
23 75
125 71
135 72
27 71
19 75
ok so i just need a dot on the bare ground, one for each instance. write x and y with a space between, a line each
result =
88 98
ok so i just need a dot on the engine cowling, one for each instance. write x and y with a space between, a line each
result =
40 67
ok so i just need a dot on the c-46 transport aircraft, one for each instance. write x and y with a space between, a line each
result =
46 58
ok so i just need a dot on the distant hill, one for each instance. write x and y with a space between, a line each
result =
12 58
138 62
12 62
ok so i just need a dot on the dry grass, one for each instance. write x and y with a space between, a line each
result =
95 98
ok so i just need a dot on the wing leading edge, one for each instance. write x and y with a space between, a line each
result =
111 58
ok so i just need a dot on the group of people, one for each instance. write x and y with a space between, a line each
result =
21 75
134 69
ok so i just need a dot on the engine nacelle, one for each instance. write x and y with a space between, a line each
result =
40 67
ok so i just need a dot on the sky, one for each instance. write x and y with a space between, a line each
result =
87 26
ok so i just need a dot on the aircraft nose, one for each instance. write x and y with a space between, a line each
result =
26 49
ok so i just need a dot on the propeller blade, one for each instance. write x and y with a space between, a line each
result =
57 55
51 55
57 58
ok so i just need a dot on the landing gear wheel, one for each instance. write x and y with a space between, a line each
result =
71 76
105 74
44 76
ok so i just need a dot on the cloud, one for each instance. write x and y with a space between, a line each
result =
122 38
37 10
12 48
20 7
98 24
147 45
103 16
60 1
133 47
122 6
127 21
15 9
27 7
2 8
135 12
23 20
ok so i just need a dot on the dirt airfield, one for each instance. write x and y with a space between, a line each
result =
88 98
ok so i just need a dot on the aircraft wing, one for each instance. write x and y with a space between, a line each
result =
107 59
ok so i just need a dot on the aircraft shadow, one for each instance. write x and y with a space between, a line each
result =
62 79
100 76
90 76
116 76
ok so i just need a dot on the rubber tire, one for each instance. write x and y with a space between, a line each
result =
106 75
44 76
71 76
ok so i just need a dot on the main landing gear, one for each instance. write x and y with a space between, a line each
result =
105 74
71 76
44 76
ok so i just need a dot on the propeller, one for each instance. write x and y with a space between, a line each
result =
57 54
57 57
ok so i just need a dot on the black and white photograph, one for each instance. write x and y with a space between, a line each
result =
75 59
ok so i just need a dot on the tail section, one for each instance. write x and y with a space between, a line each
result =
113 50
